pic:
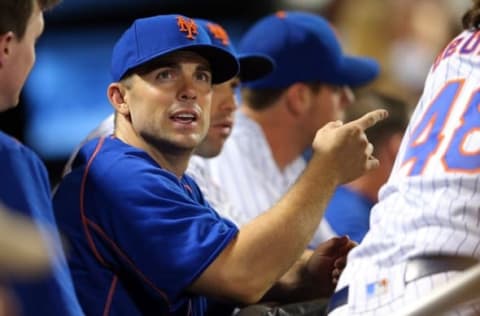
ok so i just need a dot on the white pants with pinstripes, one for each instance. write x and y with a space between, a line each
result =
412 292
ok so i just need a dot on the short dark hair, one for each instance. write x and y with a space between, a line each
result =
471 18
369 100
260 99
14 14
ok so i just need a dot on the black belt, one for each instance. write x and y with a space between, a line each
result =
416 268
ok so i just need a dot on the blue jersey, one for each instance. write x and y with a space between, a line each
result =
25 189
348 213
139 235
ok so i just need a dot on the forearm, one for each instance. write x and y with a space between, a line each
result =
289 288
268 246
287 228
265 249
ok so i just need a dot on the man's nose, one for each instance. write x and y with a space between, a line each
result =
187 90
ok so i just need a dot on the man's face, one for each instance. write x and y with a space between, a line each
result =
221 119
169 106
18 62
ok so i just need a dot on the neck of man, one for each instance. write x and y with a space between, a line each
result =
284 138
168 157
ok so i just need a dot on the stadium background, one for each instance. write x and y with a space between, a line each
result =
64 97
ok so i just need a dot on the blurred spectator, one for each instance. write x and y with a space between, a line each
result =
425 227
348 212
404 36
281 113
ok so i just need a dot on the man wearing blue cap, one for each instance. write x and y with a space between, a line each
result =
252 66
309 87
144 240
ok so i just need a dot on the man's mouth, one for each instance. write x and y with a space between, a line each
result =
225 127
223 123
184 118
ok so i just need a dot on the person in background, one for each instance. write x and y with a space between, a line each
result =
281 113
348 212
25 187
252 66
424 230
144 239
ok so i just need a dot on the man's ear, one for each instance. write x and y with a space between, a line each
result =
298 98
116 93
6 41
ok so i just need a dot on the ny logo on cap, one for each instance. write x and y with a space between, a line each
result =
218 33
281 14
187 25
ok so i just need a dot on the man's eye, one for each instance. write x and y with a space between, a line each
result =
164 74
204 76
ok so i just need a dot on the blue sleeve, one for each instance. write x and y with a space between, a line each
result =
348 213
25 186
25 189
162 224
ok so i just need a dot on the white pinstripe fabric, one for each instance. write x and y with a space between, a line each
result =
435 212
212 190
248 174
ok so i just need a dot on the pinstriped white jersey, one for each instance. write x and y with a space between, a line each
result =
248 174
212 190
431 202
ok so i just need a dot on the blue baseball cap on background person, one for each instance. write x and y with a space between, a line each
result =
305 49
253 65
150 38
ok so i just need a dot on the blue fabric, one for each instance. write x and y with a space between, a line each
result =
154 232
348 213
153 37
305 48
25 189
252 65
339 298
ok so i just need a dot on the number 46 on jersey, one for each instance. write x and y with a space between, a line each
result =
446 137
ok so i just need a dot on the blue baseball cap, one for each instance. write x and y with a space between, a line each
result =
305 49
150 38
253 66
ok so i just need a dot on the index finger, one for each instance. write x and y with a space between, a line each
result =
370 119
